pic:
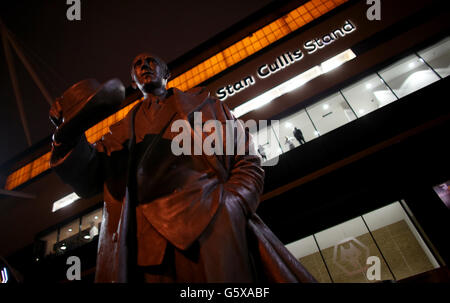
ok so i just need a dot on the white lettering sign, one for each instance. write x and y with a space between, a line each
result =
285 60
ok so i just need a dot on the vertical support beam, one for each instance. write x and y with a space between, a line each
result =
15 83
28 66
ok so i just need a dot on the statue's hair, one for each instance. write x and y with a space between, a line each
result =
161 63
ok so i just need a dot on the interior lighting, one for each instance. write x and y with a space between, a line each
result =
337 60
63 202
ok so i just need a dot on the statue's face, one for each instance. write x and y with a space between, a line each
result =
147 73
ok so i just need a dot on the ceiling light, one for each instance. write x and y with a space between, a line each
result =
63 202
299 80
70 230
337 60
256 103
87 237
63 247
96 217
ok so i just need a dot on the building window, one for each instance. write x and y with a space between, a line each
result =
69 230
298 129
386 233
266 143
90 224
438 57
368 94
330 113
346 248
307 252
78 232
401 244
68 237
408 75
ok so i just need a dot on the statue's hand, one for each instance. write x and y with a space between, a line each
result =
56 114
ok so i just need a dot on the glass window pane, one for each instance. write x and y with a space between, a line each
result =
307 252
90 224
91 218
346 248
50 241
330 113
368 95
69 230
304 133
438 57
266 143
408 75
404 250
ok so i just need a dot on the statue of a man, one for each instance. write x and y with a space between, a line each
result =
167 217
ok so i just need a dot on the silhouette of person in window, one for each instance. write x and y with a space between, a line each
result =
299 135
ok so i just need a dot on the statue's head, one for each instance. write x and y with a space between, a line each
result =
149 73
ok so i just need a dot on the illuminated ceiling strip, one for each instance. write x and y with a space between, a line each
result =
294 83
63 202
210 67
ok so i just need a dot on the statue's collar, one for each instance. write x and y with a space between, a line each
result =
184 103
189 101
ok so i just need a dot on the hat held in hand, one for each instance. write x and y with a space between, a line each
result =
85 104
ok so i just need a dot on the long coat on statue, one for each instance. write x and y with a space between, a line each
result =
201 204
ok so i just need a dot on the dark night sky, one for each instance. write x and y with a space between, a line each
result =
99 46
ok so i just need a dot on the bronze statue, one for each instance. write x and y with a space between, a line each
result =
168 218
